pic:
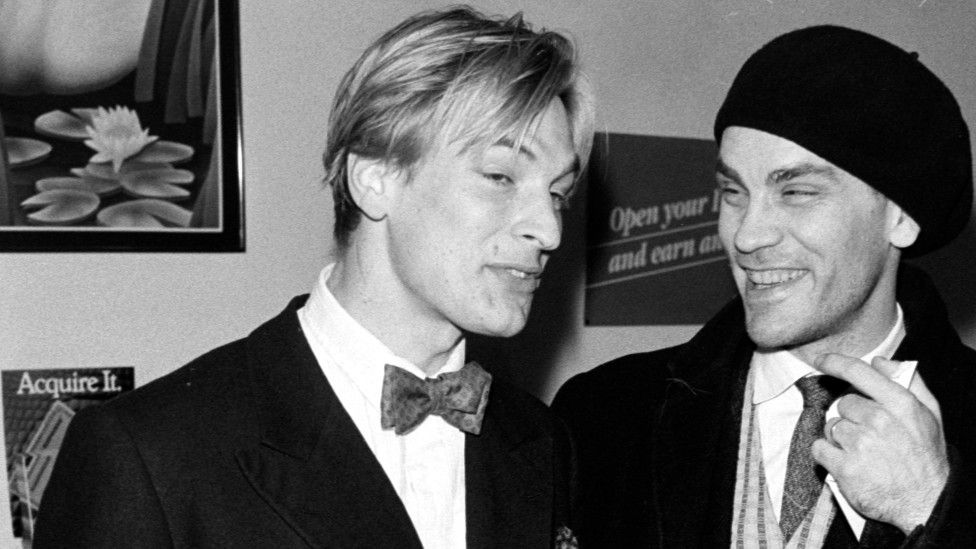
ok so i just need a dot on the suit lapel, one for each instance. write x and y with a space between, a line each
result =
312 465
695 446
508 470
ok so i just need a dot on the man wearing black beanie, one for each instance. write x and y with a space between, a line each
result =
830 404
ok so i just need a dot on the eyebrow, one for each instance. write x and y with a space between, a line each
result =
784 175
781 175
573 167
508 143
724 169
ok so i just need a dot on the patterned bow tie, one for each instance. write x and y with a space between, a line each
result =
458 397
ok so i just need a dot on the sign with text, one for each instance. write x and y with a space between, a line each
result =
37 406
653 252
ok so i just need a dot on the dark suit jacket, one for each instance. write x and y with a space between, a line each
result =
248 446
657 435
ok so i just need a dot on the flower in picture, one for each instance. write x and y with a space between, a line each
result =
116 134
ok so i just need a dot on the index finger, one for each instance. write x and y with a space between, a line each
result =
863 377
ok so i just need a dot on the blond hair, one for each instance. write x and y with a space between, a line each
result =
446 77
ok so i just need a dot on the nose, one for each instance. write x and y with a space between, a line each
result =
755 228
540 222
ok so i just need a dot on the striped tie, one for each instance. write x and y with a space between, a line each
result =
804 478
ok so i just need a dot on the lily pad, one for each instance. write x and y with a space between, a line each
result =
61 206
148 213
104 170
101 187
165 175
151 188
61 125
165 151
24 151
85 114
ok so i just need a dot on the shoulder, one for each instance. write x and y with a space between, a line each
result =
626 381
605 406
219 383
632 385
200 380
513 405
203 406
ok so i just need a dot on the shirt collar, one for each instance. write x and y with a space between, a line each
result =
777 371
358 354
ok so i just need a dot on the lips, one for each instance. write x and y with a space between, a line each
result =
519 273
521 278
769 278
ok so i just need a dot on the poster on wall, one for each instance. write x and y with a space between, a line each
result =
653 252
120 126
37 407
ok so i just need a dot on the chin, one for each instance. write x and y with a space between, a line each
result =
500 330
506 332
770 335
500 325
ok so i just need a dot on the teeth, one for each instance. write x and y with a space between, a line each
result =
517 273
773 276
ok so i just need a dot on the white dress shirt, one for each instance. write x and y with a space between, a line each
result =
425 466
779 404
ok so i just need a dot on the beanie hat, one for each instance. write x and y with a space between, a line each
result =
870 108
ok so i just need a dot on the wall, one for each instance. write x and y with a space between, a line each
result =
660 67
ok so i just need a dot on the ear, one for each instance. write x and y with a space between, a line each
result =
902 229
371 181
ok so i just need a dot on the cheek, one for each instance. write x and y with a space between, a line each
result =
728 223
848 240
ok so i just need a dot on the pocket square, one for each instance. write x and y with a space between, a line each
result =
565 539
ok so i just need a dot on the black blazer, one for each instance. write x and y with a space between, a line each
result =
658 433
248 446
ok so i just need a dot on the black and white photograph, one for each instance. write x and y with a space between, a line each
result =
487 274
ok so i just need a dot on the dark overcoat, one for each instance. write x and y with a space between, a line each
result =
657 435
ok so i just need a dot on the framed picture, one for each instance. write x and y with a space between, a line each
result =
120 126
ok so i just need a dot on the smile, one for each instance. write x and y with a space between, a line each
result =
771 278
517 277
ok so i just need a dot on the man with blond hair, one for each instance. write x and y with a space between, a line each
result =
352 419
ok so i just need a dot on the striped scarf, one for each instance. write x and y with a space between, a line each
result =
754 524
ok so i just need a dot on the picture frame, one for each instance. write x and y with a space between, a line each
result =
127 140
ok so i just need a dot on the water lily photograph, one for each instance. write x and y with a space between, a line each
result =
120 126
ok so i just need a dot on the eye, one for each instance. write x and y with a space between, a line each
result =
562 191
731 193
560 200
498 178
798 194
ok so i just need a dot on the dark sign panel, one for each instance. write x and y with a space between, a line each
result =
653 252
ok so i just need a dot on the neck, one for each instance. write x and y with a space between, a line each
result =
862 332
850 343
410 329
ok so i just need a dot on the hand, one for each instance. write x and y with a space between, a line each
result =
887 450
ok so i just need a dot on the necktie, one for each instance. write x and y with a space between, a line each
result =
459 397
803 480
